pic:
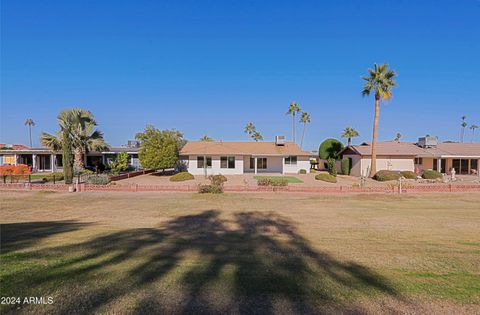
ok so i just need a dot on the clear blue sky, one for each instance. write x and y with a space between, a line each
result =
209 67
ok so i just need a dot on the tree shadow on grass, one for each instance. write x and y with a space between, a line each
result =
16 236
255 262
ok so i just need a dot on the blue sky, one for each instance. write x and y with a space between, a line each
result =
209 67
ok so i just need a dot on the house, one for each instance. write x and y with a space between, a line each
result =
233 158
425 154
46 160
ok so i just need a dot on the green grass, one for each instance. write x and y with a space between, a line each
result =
290 179
185 253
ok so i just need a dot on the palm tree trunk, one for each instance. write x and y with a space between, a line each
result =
373 165
78 159
67 158
349 141
30 134
293 127
303 135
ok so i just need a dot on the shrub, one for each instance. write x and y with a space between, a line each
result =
329 149
408 174
326 177
312 170
385 175
210 189
120 163
431 174
346 166
332 167
182 176
272 182
97 180
302 171
217 179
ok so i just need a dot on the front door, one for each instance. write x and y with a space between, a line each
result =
443 164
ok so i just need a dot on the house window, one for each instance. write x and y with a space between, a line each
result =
59 160
419 161
201 161
291 160
261 163
227 162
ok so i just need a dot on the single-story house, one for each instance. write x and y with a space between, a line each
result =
46 160
232 158
426 154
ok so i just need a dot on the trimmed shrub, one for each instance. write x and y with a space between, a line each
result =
302 171
97 180
431 174
182 176
408 174
47 177
384 175
329 149
346 166
210 189
332 167
312 170
217 179
326 177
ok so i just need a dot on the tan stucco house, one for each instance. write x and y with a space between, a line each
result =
419 156
233 158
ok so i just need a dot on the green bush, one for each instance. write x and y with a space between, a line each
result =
329 149
217 179
346 166
385 175
120 163
182 176
97 180
47 177
312 170
302 171
272 182
332 167
431 174
326 177
408 174
210 189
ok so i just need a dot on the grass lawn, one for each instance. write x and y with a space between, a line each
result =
290 179
144 253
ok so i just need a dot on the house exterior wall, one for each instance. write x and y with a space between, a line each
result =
274 164
388 163
356 164
303 162
192 168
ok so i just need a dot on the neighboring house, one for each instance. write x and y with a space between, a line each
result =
427 153
45 160
232 158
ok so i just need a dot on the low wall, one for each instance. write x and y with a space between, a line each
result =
130 174
291 189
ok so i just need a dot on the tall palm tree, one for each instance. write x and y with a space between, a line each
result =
250 128
304 119
350 133
398 136
380 82
472 128
30 123
77 133
206 138
463 124
293 109
257 136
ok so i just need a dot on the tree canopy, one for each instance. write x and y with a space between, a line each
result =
329 149
159 148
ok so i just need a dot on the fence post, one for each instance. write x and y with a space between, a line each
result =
54 179
450 187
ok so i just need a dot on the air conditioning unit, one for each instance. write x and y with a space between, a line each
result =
279 140
133 144
427 141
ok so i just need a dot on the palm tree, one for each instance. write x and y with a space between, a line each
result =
472 128
250 128
77 133
257 136
206 138
304 119
350 133
464 124
380 82
30 123
398 136
293 109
